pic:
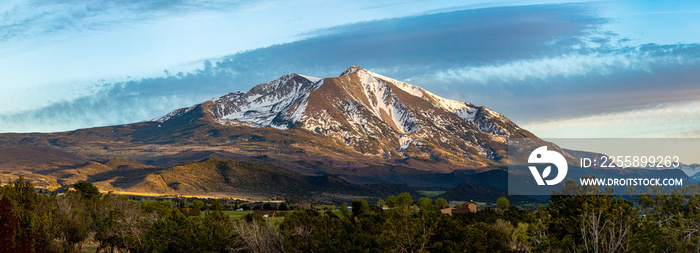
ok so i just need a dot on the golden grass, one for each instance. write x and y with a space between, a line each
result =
213 195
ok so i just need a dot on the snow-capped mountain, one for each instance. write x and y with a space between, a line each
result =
692 170
370 113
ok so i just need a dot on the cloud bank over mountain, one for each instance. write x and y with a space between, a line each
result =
543 66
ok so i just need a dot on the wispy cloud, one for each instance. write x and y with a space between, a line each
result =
567 66
604 61
38 18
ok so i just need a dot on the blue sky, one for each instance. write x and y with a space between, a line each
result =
558 68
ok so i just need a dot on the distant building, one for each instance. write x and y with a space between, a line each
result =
468 207
266 213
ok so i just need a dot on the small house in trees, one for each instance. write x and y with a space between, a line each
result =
468 207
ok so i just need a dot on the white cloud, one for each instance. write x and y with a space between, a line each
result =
569 65
672 120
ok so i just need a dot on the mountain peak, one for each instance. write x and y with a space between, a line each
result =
310 78
351 69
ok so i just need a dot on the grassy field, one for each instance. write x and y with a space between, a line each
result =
431 194
161 195
240 214
236 214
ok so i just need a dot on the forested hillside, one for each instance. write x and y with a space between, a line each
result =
84 218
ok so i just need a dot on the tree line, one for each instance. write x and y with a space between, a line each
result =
572 222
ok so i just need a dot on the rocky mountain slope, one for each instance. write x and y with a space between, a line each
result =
371 114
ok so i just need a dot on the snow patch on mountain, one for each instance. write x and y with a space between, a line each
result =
228 97
467 113
406 141
311 78
385 103
355 118
350 70
447 104
274 104
690 170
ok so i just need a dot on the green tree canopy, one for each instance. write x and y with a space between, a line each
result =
344 209
87 190
359 207
391 201
404 199
441 203
426 204
503 203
